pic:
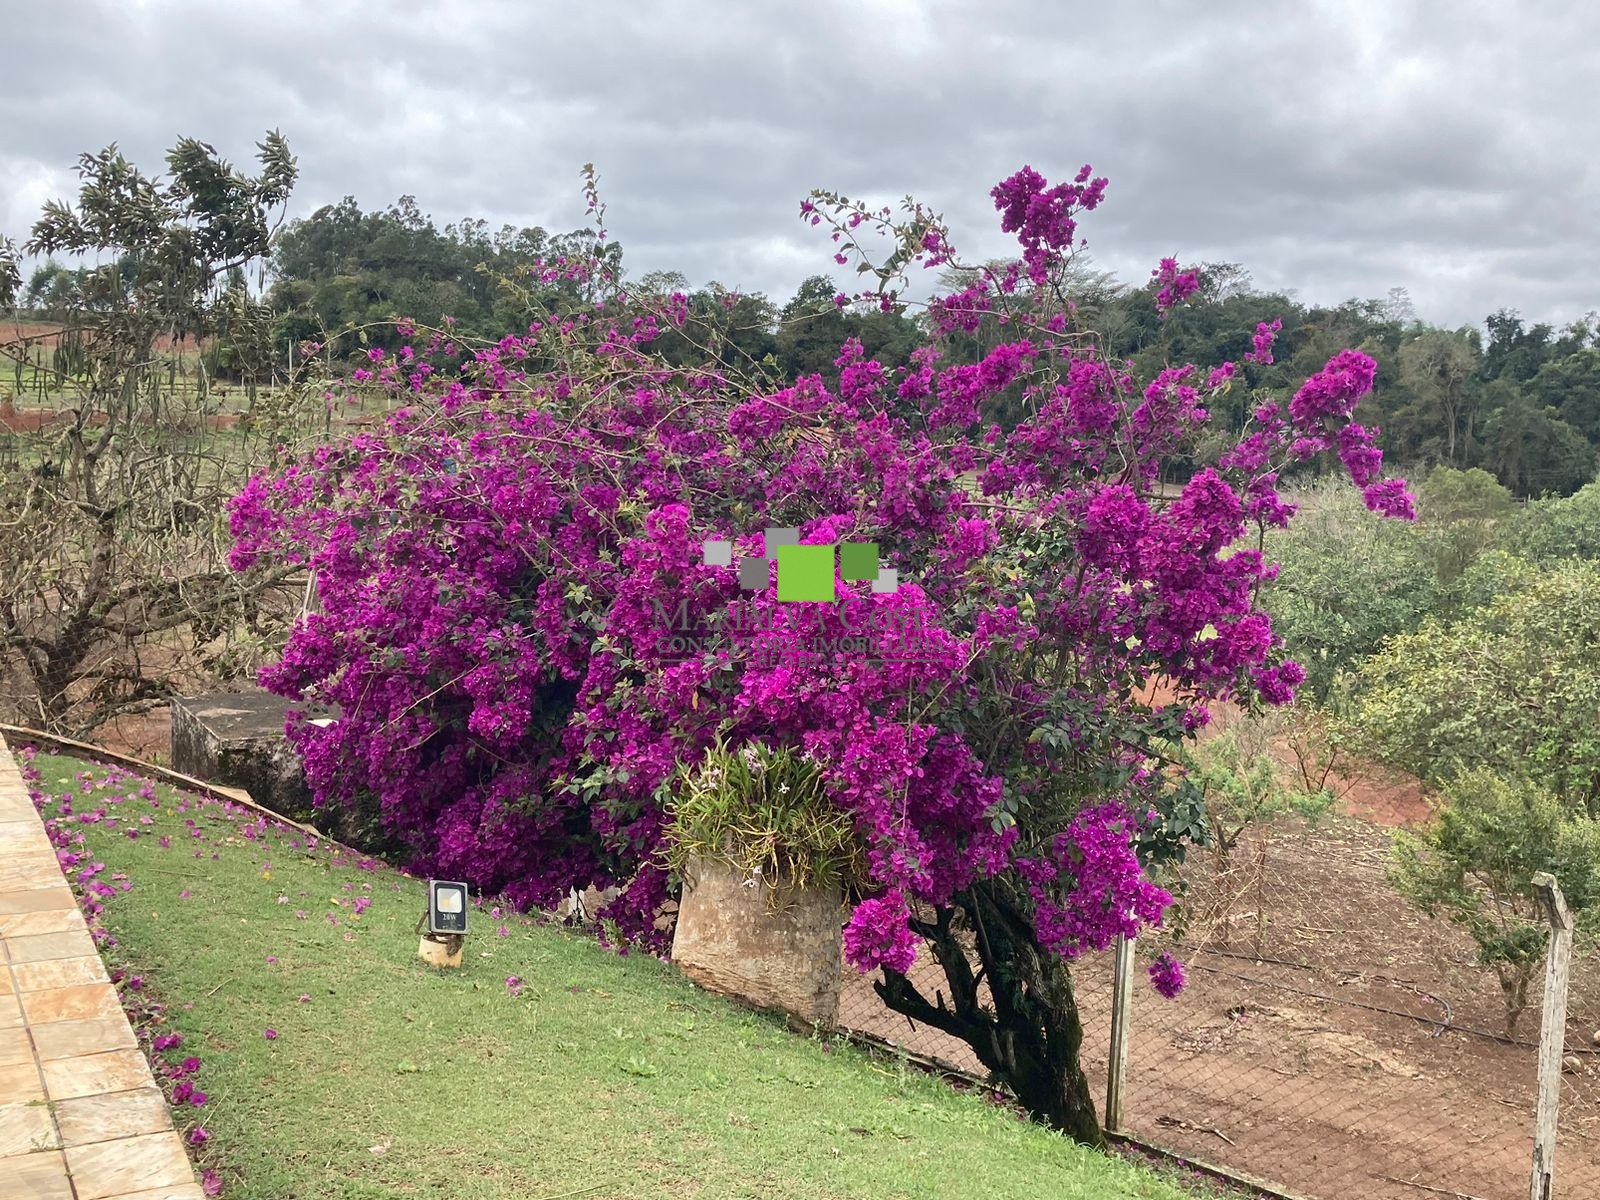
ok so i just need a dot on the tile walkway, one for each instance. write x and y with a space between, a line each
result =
81 1117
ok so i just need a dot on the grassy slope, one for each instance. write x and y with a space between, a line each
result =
608 1077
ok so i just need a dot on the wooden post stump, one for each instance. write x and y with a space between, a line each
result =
1552 1034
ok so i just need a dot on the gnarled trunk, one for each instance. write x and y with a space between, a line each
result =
1032 1037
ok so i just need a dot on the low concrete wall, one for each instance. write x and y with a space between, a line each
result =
236 739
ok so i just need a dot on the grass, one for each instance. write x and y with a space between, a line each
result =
608 1077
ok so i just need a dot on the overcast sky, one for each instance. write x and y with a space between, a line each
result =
1337 150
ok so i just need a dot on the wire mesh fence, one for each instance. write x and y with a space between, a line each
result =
1331 1040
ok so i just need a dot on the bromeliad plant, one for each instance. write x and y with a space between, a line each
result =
763 812
506 570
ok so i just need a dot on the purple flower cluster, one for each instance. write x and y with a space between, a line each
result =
878 934
1091 888
1166 975
1175 286
495 563
1043 217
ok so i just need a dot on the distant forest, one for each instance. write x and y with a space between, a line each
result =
1519 400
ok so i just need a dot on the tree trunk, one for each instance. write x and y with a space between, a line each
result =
1030 1036
1053 1088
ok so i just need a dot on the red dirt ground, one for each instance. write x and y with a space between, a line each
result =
31 420
46 334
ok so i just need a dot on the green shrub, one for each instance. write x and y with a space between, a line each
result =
1474 865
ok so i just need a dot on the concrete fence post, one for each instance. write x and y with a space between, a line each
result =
1121 1006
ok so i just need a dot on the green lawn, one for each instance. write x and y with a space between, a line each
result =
608 1077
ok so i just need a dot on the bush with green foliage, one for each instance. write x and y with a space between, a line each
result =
1347 579
1512 687
1548 531
1474 865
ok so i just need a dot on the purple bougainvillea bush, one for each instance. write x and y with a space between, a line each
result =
495 566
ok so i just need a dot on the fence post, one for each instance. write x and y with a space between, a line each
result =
1121 1003
1552 1033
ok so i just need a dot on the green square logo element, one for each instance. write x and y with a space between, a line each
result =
805 573
858 561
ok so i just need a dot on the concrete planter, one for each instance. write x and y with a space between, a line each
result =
784 955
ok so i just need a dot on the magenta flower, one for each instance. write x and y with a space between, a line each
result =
1166 974
270 1034
210 1182
513 985
879 934
198 1136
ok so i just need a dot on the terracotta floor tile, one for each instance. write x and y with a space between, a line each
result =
73 1039
26 1128
59 920
10 1012
114 1115
90 1074
36 1177
28 854
59 972
49 945
105 1169
84 1003
6 988
21 1083
15 1047
187 1191
13 832
29 872
21 840
38 899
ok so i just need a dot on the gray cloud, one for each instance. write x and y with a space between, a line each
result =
1334 149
